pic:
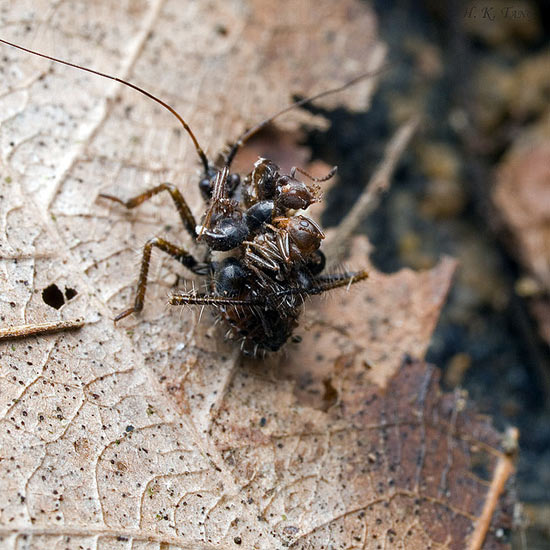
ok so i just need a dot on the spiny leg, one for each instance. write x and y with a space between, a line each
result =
336 280
177 252
324 283
184 211
209 300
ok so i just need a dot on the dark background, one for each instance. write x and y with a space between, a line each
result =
444 57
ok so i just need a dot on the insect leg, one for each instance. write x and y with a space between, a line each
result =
336 280
178 253
324 283
262 261
209 300
184 211
329 175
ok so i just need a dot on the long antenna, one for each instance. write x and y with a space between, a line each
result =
247 134
198 148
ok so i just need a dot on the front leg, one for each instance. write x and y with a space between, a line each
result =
181 205
176 252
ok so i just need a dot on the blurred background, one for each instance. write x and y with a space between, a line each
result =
475 184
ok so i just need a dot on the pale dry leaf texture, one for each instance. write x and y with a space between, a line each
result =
152 434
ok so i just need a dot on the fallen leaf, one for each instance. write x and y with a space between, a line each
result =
400 467
371 327
522 197
153 433
522 194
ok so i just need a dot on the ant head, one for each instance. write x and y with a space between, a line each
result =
293 194
304 233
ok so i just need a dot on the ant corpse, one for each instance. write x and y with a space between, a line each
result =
263 256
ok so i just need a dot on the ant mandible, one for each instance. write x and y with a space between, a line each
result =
269 254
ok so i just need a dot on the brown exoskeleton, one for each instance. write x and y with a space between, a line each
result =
263 254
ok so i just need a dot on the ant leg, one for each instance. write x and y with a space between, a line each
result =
330 174
183 209
178 253
209 300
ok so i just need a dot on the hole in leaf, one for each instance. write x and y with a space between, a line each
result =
70 293
330 396
53 296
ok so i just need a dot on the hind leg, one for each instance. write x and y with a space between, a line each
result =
329 282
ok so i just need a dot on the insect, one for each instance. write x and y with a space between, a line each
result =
262 252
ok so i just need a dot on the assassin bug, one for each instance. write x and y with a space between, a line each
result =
263 254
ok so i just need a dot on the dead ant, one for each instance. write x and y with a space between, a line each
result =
263 257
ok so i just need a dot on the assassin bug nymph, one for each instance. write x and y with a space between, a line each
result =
263 254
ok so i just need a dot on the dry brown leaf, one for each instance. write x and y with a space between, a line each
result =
152 434
395 467
370 328
522 196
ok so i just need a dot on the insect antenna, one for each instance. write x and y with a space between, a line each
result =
247 134
198 148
